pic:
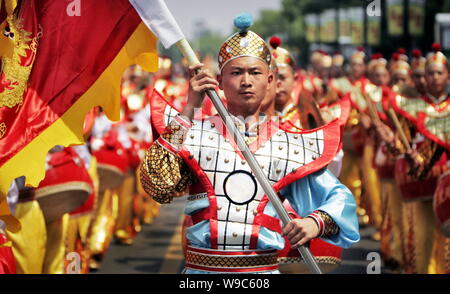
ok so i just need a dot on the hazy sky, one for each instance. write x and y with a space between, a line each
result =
217 15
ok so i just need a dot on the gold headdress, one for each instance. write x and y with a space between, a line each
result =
418 61
243 43
436 57
316 56
326 61
281 56
338 59
377 62
359 56
402 54
399 65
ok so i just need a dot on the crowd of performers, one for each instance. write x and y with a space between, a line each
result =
396 148
397 164
394 144
393 118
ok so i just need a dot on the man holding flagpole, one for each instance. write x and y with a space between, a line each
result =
76 85
235 228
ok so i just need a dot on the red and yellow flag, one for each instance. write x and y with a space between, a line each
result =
56 63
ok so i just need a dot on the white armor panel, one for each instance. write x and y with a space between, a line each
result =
237 190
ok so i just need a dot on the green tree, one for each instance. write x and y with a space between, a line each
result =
209 43
269 23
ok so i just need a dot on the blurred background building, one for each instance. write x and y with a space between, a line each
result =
307 25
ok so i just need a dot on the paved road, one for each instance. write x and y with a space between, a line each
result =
356 259
157 249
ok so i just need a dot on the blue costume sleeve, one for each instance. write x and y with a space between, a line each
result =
323 191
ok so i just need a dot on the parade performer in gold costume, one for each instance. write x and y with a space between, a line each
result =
422 163
352 142
219 231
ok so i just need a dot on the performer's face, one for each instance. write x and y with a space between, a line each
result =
357 70
437 78
401 79
245 81
380 77
285 85
419 80
268 103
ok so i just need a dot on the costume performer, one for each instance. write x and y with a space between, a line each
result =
427 161
352 139
234 225
371 92
327 256
391 231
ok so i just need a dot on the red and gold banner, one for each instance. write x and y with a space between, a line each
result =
345 24
357 16
56 67
395 17
374 30
312 27
328 26
416 17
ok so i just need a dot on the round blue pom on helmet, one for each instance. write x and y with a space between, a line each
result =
243 22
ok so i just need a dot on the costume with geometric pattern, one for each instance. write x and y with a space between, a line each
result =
230 213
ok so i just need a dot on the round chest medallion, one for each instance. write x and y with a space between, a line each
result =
240 187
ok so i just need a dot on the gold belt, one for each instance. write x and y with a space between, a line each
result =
248 261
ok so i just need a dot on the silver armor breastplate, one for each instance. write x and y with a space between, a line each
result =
237 192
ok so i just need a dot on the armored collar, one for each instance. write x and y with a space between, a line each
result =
437 100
